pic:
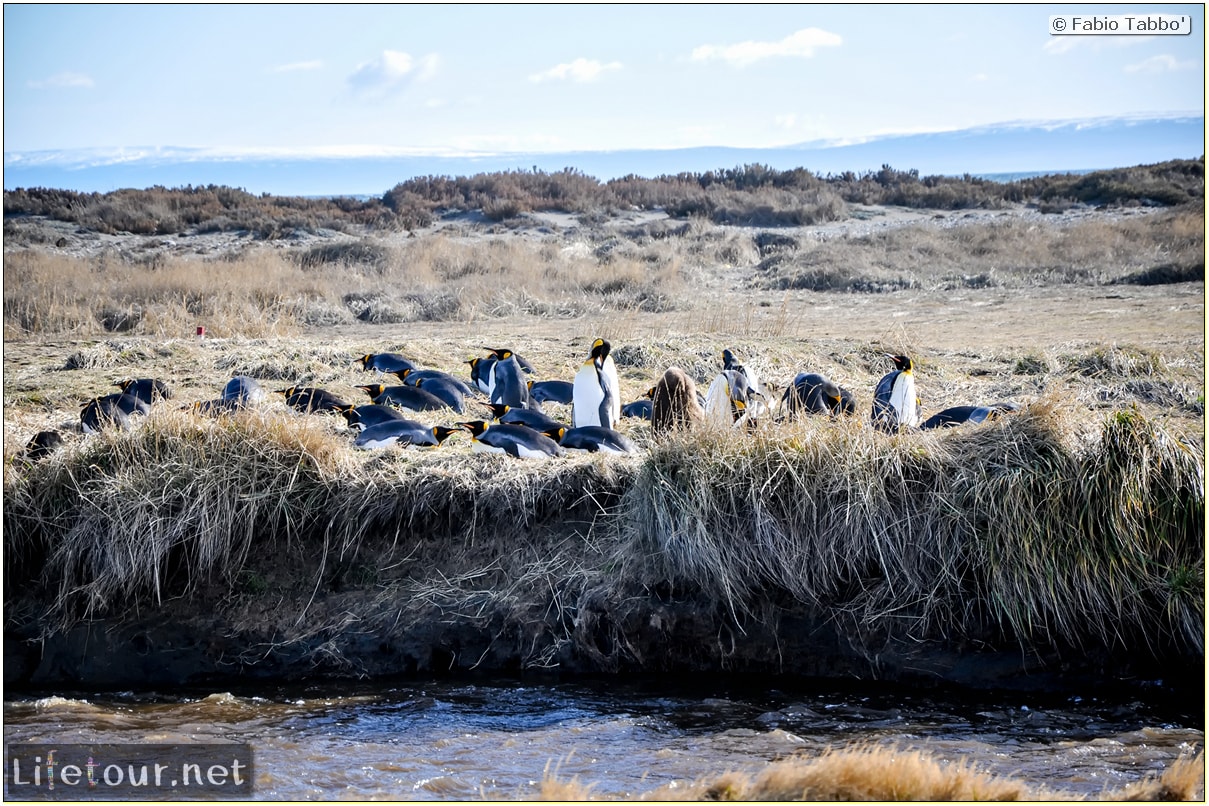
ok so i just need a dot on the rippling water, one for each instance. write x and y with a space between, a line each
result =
469 740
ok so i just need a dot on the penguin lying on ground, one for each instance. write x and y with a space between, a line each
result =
968 414
244 390
515 440
811 393
408 398
449 392
640 409
385 362
591 438
148 390
412 377
43 444
552 392
362 417
402 432
110 411
308 399
530 417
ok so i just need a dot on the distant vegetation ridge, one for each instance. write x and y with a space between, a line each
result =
751 195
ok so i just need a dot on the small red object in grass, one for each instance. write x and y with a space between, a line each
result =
201 330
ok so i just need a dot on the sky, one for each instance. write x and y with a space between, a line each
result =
347 80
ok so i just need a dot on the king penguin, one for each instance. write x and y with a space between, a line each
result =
520 441
507 382
480 373
243 390
968 414
110 411
591 438
596 398
895 404
728 398
385 362
408 398
530 417
816 394
729 361
307 399
362 417
148 390
552 391
402 432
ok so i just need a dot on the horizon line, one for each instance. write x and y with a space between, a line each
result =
98 156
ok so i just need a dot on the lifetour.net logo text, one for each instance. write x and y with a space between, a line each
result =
127 771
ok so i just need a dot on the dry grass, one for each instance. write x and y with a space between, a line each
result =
1011 253
879 773
268 291
1031 527
475 271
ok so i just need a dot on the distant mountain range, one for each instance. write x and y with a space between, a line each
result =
1001 152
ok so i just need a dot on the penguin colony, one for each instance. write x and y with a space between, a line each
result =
500 409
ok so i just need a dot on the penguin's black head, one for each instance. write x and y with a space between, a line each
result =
475 427
498 410
442 432
287 392
600 349
901 362
372 389
555 432
365 359
728 359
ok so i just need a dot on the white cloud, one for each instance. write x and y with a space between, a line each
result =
391 71
800 44
1163 63
979 77
294 67
64 80
579 70
1057 45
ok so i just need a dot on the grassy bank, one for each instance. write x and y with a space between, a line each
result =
1047 532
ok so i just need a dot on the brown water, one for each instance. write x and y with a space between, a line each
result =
458 740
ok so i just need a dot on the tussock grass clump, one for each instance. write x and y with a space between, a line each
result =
881 773
181 501
1024 528
156 511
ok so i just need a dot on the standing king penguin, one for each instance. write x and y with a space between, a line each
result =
895 404
507 384
596 398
